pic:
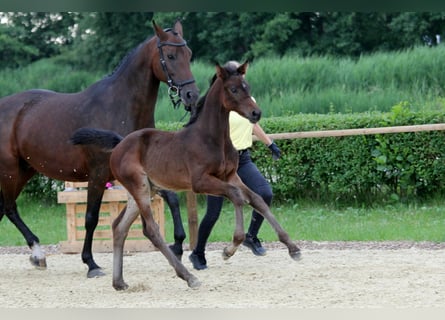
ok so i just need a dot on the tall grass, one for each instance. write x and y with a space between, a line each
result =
291 84
286 85
46 74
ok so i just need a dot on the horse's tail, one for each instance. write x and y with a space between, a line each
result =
104 139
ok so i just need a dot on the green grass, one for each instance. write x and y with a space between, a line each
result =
321 223
306 221
48 222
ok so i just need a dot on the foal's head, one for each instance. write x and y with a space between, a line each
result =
236 95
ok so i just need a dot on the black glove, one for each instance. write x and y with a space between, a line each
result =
276 152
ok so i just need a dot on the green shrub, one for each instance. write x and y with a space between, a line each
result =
360 169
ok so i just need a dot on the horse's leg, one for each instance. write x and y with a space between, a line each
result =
257 203
208 184
37 257
151 231
120 227
139 187
179 233
237 192
94 199
10 188
239 234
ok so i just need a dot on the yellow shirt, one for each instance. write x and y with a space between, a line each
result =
241 130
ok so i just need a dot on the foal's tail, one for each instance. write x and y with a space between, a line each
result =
104 139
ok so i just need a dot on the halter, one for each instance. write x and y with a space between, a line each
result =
174 88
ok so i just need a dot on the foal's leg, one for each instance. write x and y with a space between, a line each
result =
239 193
259 205
138 187
121 226
151 231
239 234
179 233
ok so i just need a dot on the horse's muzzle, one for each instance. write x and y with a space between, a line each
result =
255 116
189 97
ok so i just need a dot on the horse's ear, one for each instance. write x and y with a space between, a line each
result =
242 69
178 27
221 72
162 35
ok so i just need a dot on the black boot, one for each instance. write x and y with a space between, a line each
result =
198 260
254 244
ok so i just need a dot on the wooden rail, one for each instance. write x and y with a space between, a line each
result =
355 132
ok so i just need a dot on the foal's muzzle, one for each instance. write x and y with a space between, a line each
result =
255 116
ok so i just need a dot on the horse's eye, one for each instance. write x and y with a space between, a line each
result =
233 89
171 57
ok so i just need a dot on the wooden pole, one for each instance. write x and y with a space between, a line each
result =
354 132
192 218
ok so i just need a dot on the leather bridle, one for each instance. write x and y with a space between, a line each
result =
174 88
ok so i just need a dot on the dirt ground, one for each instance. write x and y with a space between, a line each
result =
329 275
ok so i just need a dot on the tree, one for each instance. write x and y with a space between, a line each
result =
13 53
104 38
42 33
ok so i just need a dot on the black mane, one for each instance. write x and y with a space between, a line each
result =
126 58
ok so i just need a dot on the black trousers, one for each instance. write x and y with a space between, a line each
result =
253 178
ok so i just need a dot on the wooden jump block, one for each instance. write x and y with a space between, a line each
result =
113 202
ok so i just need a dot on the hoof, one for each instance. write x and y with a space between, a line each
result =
193 282
226 254
177 250
120 286
296 255
95 273
38 263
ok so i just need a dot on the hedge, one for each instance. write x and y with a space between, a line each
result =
353 170
360 169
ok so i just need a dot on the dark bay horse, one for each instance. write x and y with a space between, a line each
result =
35 127
199 157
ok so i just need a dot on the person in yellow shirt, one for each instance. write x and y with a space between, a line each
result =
241 134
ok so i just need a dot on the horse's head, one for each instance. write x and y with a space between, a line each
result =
173 65
236 95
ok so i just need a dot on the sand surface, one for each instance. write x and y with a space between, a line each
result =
340 275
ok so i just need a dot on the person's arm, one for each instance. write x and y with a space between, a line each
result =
263 137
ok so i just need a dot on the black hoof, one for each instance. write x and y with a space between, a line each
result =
38 263
95 273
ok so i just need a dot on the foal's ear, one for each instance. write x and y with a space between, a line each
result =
221 72
162 35
178 27
242 69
